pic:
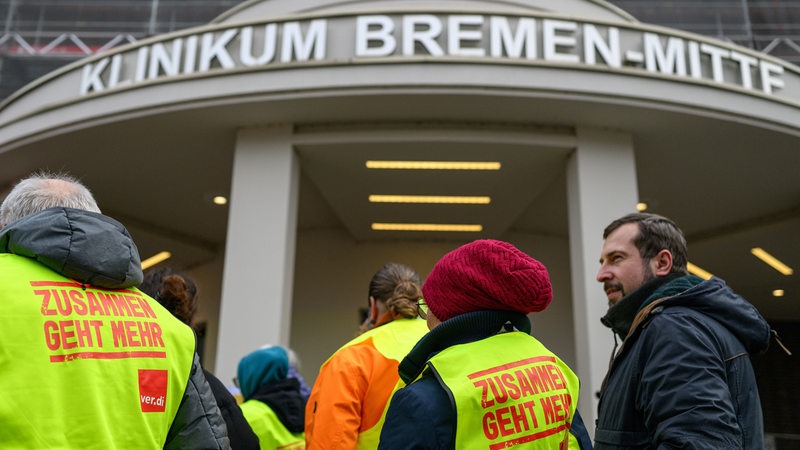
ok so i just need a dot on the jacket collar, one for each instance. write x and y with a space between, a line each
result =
461 329
621 315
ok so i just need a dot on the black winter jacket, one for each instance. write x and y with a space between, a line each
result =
286 401
682 377
239 431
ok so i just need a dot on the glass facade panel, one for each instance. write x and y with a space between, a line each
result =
771 27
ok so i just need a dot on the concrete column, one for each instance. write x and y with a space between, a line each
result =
601 186
256 301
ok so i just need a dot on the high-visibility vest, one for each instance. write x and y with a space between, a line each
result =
269 429
393 341
509 389
85 367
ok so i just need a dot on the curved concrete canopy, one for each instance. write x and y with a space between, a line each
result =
271 9
310 54
715 126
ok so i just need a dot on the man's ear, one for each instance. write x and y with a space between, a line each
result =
662 263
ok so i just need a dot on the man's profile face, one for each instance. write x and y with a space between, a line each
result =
622 269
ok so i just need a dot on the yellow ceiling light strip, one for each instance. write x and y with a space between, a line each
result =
694 270
450 199
427 227
155 259
434 165
773 262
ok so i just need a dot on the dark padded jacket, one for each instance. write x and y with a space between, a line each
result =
682 377
95 249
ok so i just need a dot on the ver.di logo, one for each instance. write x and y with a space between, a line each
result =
153 390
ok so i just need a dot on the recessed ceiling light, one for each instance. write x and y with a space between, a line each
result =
695 270
453 199
777 293
427 227
220 200
155 259
434 165
773 262
641 206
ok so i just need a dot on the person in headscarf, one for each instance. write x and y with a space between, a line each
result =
273 404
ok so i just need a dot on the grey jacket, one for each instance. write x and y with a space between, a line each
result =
95 249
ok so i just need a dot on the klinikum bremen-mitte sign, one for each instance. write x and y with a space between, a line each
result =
411 37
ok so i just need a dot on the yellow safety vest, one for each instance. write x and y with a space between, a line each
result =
509 390
86 367
269 429
393 341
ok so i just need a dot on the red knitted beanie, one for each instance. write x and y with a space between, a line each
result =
485 275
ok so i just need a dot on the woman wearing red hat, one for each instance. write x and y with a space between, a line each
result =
347 404
479 380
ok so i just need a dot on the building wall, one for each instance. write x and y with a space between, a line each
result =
330 288
332 276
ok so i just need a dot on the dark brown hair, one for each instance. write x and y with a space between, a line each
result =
174 290
656 233
398 287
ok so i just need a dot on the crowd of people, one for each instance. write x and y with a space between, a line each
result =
448 363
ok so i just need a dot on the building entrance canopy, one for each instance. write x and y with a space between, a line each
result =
714 122
152 127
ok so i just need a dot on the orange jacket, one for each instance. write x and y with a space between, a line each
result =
349 399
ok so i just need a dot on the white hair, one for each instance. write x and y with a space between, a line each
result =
45 190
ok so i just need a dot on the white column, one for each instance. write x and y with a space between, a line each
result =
601 186
257 279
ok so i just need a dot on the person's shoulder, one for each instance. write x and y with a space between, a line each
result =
421 410
422 398
675 315
11 259
678 325
354 353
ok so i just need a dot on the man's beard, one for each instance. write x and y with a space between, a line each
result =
647 275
